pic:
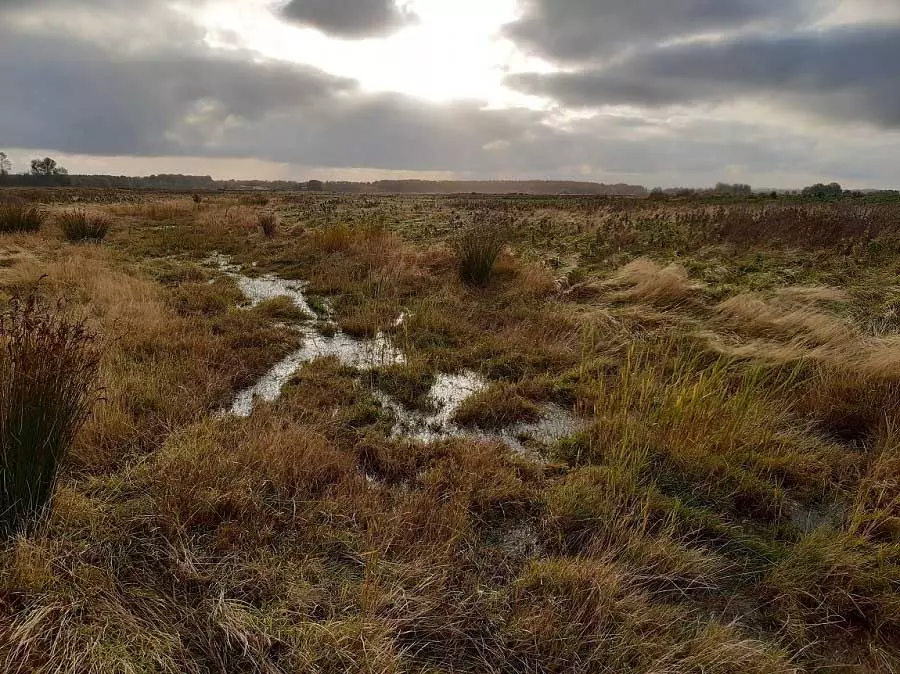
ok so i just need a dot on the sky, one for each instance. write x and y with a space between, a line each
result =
775 93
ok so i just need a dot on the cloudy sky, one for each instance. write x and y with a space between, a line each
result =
778 93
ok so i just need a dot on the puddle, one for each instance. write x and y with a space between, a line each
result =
555 424
263 288
362 354
809 518
447 395
520 541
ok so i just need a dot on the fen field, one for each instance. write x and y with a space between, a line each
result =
655 436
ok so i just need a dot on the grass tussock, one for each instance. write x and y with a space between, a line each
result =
704 430
79 225
156 210
20 217
590 613
664 286
268 223
837 580
498 406
787 320
728 501
335 238
477 249
47 388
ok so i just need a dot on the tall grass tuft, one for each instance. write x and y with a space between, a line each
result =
48 379
477 249
268 222
79 225
20 217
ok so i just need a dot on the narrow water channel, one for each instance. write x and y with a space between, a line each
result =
446 396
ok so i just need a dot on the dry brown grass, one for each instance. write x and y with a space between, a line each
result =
155 210
753 315
268 223
664 286
715 515
496 407
194 368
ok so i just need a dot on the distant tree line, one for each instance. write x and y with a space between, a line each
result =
44 173
47 172
535 187
820 191
817 191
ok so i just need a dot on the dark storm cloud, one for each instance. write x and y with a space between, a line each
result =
348 18
579 30
76 97
139 80
848 73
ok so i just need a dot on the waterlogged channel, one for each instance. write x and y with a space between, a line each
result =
446 396
362 354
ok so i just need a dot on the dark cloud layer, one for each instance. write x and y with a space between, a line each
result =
77 97
843 73
348 18
106 78
578 30
82 99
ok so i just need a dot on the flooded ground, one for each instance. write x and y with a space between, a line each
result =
362 354
322 340
448 394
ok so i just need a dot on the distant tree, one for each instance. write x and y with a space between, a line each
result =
822 191
315 186
47 168
5 164
735 189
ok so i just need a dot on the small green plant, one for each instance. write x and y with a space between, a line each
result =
478 248
20 217
48 378
79 225
268 222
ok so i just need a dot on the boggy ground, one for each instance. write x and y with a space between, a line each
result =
730 504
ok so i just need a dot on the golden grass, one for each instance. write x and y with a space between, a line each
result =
155 210
193 367
753 315
731 505
665 286
496 407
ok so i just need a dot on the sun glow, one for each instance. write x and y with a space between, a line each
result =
454 51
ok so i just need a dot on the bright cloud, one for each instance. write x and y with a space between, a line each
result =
687 91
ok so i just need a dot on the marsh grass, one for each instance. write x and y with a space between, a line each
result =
255 200
498 406
79 225
268 223
20 217
477 248
710 516
47 388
